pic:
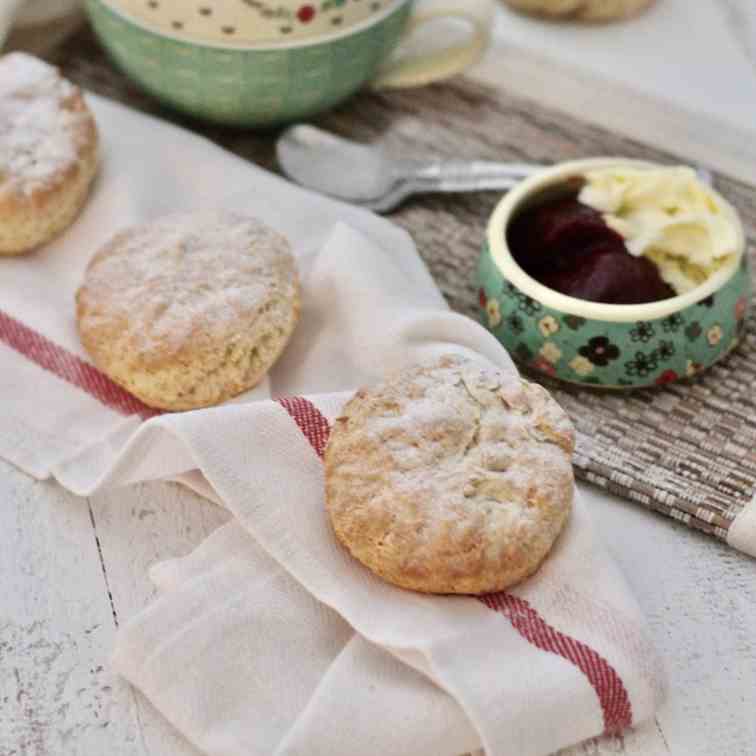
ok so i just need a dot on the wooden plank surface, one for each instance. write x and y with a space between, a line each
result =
137 527
57 695
699 597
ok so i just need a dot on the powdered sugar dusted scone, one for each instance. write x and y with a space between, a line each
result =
48 153
190 310
451 477
583 10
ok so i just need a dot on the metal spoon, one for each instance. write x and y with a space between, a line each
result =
8 11
368 177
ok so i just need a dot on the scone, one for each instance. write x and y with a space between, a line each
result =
582 10
189 310
451 477
48 153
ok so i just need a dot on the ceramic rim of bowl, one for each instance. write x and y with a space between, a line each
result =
560 174
260 46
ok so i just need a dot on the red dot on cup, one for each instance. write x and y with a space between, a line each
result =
306 13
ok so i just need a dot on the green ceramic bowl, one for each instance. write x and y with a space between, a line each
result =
260 85
613 346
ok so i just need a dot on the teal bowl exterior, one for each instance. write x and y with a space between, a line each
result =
248 86
617 355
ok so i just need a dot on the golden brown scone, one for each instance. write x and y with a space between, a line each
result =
189 310
451 477
48 153
582 10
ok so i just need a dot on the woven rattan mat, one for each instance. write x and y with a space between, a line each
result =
687 451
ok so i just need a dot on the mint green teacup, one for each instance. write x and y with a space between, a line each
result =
286 77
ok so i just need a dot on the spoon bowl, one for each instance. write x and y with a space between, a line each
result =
368 177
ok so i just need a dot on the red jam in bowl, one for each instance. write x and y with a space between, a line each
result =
568 247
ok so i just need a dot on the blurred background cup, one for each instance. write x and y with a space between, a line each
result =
581 10
222 71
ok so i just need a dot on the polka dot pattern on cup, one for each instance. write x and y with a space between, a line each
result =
250 21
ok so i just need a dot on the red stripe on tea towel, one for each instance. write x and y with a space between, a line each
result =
604 679
310 420
615 702
70 368
611 692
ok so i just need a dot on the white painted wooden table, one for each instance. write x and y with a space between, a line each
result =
72 569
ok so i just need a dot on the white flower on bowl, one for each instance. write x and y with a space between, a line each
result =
692 368
582 366
548 325
714 335
551 352
494 313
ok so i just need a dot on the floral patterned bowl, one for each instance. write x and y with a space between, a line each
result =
611 346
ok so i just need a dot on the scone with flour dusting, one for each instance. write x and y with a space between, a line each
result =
48 153
582 10
189 310
450 477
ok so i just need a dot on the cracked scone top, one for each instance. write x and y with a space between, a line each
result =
451 477
189 310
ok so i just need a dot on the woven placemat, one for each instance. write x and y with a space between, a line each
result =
688 450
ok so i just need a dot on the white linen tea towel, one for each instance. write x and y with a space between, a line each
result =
269 638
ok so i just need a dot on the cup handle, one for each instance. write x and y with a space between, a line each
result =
423 69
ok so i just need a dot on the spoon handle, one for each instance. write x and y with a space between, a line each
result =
471 175
8 11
